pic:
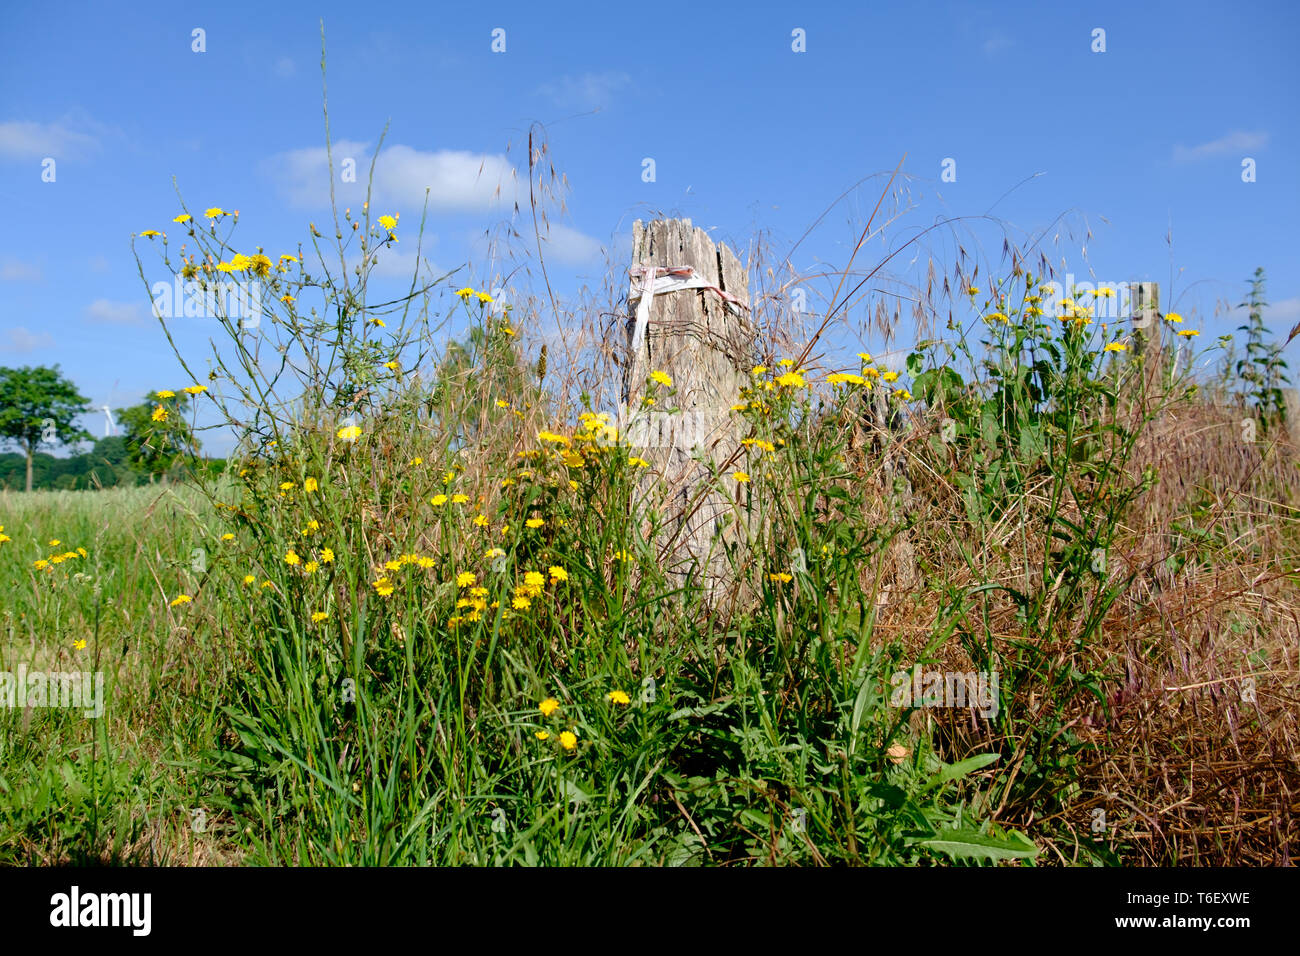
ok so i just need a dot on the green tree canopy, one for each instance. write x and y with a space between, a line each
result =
157 436
39 407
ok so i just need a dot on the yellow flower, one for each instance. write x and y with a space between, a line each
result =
288 258
1173 317
310 484
1116 347
534 522
159 413
1189 332
227 537
662 378
483 297
40 565
890 376
383 586
638 462
388 222
326 556
785 363
558 574
997 317
541 734
350 432
181 599
150 233
416 461
79 645
791 380
249 579
521 604
55 542
291 557
758 370
459 499
568 740
379 322
318 616
973 290
619 697
425 562
482 521
311 567
465 579
438 500
393 565
741 477
552 437
392 366
781 577
465 293
216 212
194 389
548 706
840 378
183 217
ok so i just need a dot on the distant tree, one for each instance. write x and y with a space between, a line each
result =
38 407
157 436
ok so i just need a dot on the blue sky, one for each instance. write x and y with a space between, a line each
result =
1139 144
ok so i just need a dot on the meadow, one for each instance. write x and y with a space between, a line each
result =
424 617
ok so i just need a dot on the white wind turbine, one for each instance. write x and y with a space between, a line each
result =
108 420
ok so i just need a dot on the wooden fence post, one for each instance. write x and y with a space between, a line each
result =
691 320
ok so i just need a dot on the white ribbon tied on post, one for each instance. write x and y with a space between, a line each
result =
649 281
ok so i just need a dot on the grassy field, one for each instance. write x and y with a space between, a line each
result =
426 615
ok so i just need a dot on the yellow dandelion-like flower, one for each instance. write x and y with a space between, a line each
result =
181 599
249 579
781 577
326 556
636 462
785 363
890 376
841 378
425 562
791 380
391 366
227 537
194 389
482 521
55 542
465 293
1189 332
1116 347
388 222
350 432
534 522
973 290
662 378
310 484
541 735
288 258
393 565
79 645
216 212
291 557
159 414
416 461
150 233
311 567
1173 317
459 499
568 740
484 298
558 574
183 217
465 579
40 565
383 586
318 616
521 603
548 706
741 477
619 697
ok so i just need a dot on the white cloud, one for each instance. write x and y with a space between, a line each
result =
1234 142
26 140
586 91
18 339
12 270
1284 310
568 246
394 264
457 180
116 313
